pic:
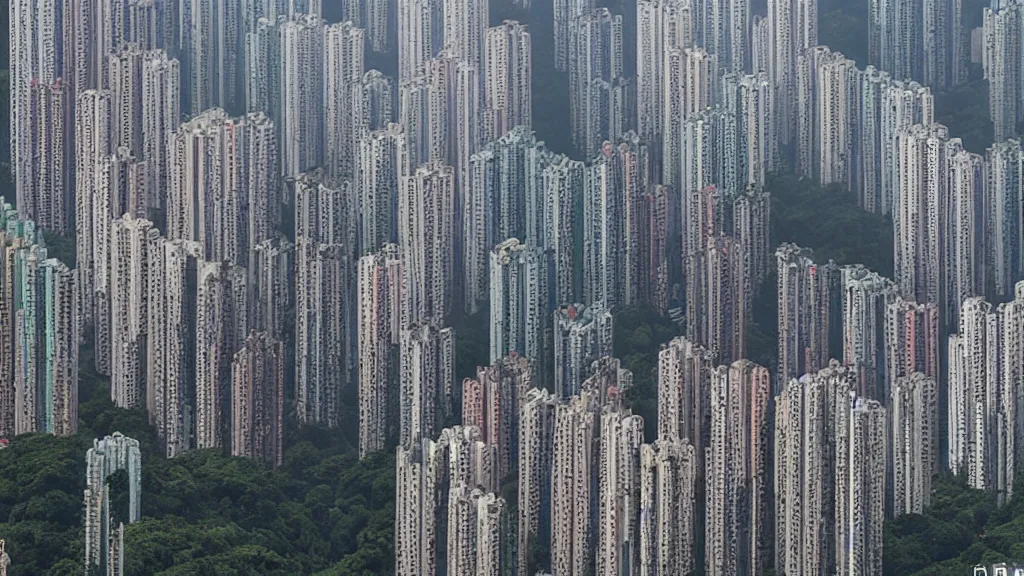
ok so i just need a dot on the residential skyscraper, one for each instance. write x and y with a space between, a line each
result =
221 329
1004 226
426 209
325 233
130 242
93 141
271 284
223 191
964 249
647 242
922 40
918 219
302 94
836 120
119 180
751 225
860 483
792 28
343 74
738 528
323 330
866 295
914 441
521 304
690 79
807 440
504 198
684 393
727 33
44 170
421 35
210 46
667 499
37 62
493 555
722 299
984 380
374 102
46 345
125 83
161 115
104 540
595 65
754 110
574 486
427 381
618 508
171 371
465 28
887 107
558 201
381 318
430 477
15 234
613 186
809 297
383 163
257 400
662 25
582 335
536 437
566 14
492 403
911 338
508 88
1003 28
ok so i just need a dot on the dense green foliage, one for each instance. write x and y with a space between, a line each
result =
964 110
961 528
322 512
637 338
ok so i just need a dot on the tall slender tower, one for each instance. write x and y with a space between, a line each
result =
738 531
210 45
130 242
1004 226
574 486
582 335
426 209
343 73
809 429
808 303
668 499
684 394
427 381
914 441
302 94
662 25
257 400
619 473
508 88
221 329
860 482
171 371
104 540
536 436
595 65
865 298
521 306
325 232
792 28
381 319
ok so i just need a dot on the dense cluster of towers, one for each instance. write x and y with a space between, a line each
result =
255 211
